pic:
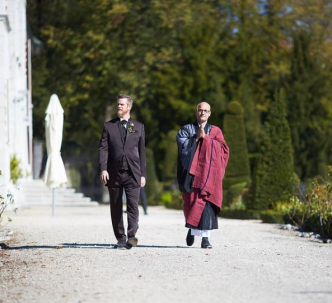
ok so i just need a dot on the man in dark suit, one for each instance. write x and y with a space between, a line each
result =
122 168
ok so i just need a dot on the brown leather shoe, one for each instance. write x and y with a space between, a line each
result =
132 242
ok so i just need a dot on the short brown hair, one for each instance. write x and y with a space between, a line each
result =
129 99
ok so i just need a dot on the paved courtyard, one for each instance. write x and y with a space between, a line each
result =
70 258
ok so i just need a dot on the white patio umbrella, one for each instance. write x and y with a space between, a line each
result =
55 173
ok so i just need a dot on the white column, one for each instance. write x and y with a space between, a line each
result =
20 114
4 75
15 107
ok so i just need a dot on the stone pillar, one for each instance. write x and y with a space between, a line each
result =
18 94
4 111
15 103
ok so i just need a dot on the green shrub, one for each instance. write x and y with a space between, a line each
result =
166 197
75 177
239 214
172 199
272 216
235 108
315 212
233 196
273 178
15 169
267 216
171 156
153 187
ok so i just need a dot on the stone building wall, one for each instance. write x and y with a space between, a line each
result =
15 97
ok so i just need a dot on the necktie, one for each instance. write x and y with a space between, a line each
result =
124 129
124 134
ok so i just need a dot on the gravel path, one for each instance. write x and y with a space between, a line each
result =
69 258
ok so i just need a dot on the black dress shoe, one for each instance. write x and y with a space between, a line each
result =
120 245
206 243
132 242
190 238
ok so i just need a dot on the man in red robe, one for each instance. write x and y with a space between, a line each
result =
202 160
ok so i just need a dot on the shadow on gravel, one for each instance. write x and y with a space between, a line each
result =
315 292
76 245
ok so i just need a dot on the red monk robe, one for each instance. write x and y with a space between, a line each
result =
208 168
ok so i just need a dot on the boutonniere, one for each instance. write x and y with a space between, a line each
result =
131 128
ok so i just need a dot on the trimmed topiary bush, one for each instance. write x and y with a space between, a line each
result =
273 178
235 108
238 169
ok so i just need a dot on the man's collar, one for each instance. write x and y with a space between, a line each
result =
123 119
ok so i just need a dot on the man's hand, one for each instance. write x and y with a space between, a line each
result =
143 181
104 177
201 133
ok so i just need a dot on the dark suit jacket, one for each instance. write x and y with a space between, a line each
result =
112 149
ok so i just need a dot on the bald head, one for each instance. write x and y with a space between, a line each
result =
203 112
204 104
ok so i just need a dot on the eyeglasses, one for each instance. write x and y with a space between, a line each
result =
203 111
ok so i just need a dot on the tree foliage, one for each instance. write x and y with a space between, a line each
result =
273 176
171 55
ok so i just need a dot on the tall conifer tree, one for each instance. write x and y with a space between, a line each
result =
309 119
273 175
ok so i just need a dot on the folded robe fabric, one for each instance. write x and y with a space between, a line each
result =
208 169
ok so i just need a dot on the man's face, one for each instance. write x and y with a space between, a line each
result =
123 107
203 112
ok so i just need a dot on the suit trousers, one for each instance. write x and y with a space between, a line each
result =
126 182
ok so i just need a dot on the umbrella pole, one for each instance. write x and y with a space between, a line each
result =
53 202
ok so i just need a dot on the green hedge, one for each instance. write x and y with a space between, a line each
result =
171 156
238 169
172 199
153 187
268 216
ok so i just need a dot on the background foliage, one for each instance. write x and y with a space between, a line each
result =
170 55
